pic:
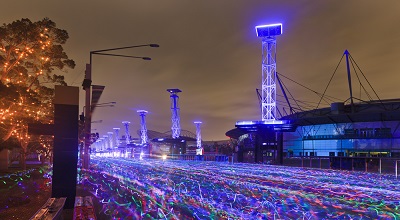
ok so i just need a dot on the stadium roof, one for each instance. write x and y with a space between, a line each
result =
370 111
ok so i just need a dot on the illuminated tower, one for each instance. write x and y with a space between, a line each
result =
199 150
96 146
269 129
143 128
127 135
110 140
101 144
116 131
176 127
268 35
105 139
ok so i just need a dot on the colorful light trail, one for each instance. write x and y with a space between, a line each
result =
157 189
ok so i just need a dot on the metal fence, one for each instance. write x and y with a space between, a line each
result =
205 157
384 165
367 164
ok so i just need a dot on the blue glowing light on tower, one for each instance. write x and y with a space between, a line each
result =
143 128
176 127
268 35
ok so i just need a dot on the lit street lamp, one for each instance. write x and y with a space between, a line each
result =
87 82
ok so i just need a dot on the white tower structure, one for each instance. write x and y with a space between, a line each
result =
143 128
100 145
106 142
127 135
268 35
96 147
199 150
176 127
116 131
110 140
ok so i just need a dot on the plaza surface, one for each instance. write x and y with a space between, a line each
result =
172 189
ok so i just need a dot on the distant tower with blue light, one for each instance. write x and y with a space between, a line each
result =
143 127
176 127
268 35
127 135
199 150
111 141
106 147
116 131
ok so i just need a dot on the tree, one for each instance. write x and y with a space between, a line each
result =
30 52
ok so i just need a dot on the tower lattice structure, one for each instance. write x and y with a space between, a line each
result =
143 127
198 137
127 135
268 79
175 118
105 144
110 139
116 131
268 35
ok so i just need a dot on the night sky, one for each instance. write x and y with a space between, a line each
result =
209 50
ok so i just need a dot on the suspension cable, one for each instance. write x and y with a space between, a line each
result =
330 81
366 80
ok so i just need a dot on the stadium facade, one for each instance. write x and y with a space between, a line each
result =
363 129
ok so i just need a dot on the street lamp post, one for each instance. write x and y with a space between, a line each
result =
87 82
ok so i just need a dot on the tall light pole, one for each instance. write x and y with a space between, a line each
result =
143 127
199 149
268 35
176 126
127 136
116 131
87 82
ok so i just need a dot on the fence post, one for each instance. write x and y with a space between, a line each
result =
380 165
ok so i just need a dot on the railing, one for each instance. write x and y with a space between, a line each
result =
52 209
367 164
205 157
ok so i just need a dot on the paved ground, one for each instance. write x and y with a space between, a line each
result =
22 195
